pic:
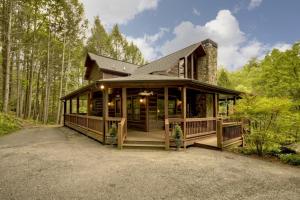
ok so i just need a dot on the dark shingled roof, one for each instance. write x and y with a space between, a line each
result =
166 62
143 77
111 64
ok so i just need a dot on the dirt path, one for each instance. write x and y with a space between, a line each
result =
57 163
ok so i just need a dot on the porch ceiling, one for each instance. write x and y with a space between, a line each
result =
154 81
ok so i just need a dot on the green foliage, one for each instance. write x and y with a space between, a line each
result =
267 128
8 124
113 131
223 78
280 74
177 135
99 42
177 132
293 159
113 45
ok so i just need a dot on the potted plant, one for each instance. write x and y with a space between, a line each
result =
113 134
177 135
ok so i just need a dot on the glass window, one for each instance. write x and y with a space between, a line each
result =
83 104
129 108
97 104
68 106
74 105
160 108
136 108
209 105
118 107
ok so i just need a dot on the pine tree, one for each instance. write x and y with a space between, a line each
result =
118 43
223 79
99 42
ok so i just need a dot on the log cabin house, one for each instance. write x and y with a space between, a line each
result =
145 102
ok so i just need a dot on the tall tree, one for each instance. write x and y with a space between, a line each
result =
223 79
6 42
99 41
118 43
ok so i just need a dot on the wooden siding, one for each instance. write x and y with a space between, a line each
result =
95 73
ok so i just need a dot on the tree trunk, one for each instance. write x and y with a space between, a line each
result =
46 99
61 82
37 99
32 63
7 6
18 83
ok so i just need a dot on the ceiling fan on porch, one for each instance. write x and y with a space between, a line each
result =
146 93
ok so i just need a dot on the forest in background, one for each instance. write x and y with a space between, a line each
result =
271 102
43 47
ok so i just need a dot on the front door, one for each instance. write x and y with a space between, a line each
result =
155 112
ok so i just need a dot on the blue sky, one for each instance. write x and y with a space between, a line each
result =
243 28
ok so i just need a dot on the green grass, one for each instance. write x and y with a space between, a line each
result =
8 124
292 159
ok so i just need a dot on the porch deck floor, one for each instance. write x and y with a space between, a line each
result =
210 141
157 135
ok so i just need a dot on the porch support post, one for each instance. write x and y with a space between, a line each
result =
65 111
166 110
227 107
89 96
105 113
89 103
124 107
70 106
216 104
77 105
234 100
220 133
184 114
77 108
192 66
185 67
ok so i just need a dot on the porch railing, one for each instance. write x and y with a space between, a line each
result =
167 134
229 132
200 126
122 132
91 123
112 120
193 128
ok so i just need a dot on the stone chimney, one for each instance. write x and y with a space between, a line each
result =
207 65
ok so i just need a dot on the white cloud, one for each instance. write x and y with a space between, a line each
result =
196 12
147 44
281 46
117 11
254 3
234 47
233 51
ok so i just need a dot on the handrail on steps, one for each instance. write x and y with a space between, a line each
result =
167 134
122 132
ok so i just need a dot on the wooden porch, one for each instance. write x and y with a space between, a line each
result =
146 116
210 133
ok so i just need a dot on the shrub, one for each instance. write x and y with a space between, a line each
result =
293 159
177 135
113 131
8 124
267 127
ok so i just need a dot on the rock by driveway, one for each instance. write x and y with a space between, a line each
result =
58 163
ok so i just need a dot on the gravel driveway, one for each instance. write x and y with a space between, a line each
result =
58 163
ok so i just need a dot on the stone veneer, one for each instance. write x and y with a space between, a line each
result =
207 65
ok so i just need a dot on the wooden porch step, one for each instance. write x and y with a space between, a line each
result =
144 145
205 146
154 142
